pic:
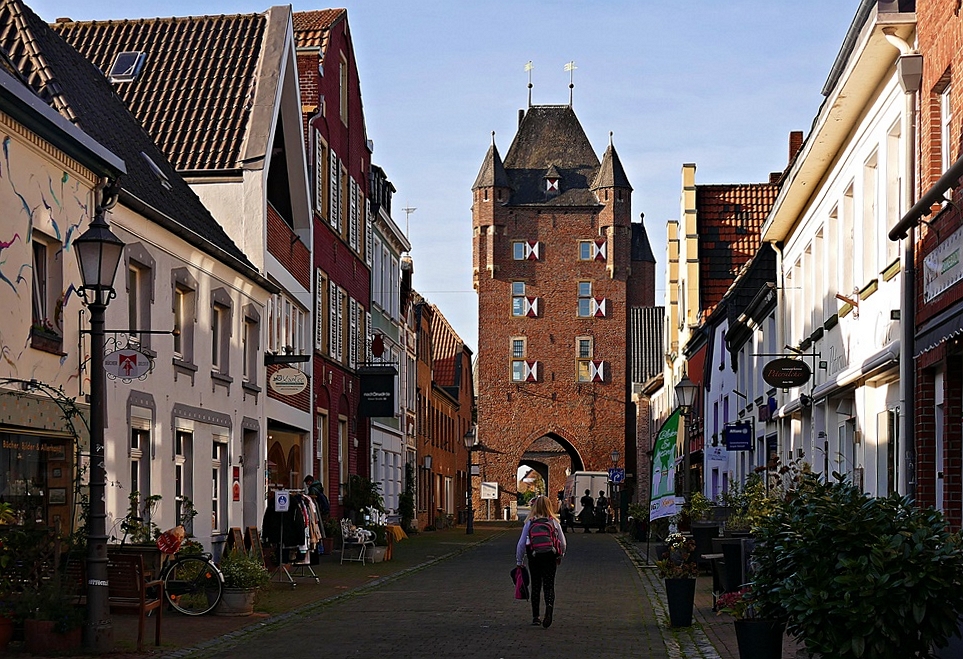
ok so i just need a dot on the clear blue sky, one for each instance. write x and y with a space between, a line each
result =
720 84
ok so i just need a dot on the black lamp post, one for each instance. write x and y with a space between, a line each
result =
98 253
470 439
685 393
616 503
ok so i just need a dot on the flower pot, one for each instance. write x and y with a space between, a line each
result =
40 638
236 602
680 594
6 632
760 638
327 545
378 553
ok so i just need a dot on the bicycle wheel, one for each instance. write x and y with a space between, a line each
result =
193 585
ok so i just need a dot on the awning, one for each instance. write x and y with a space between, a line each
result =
940 329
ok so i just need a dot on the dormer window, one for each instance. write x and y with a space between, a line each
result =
551 184
553 181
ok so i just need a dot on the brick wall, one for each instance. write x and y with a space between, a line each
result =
287 248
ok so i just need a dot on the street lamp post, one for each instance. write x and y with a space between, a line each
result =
685 393
616 503
98 253
470 439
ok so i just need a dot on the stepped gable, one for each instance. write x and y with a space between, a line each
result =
61 76
195 92
551 135
729 223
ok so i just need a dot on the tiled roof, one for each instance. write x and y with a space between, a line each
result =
311 28
446 350
551 135
492 172
195 92
62 77
729 219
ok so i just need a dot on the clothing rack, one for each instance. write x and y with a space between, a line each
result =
281 550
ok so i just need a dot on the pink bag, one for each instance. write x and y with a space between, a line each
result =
520 575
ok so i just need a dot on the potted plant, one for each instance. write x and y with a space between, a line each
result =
243 576
52 621
857 576
362 493
678 570
757 635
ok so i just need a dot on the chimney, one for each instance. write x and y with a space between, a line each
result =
795 143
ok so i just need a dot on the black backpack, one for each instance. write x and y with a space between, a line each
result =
541 536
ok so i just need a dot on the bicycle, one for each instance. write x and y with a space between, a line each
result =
193 584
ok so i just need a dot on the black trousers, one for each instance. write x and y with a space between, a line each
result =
542 568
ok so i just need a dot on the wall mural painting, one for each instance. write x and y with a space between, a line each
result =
56 205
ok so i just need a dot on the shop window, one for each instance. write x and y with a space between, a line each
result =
35 477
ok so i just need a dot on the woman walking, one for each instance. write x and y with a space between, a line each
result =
543 542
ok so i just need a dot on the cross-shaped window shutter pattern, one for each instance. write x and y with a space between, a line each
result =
598 307
333 319
531 371
320 173
353 229
531 307
353 332
368 231
531 250
319 312
597 370
333 188
598 251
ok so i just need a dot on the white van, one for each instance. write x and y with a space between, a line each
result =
593 481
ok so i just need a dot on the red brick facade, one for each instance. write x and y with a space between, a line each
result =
939 366
587 419
284 245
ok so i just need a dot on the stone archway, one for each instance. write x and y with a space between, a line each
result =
553 458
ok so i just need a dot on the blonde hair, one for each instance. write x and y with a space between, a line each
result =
542 506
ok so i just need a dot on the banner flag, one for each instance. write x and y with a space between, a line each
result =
662 501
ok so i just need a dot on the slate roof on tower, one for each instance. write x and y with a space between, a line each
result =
196 92
551 135
60 76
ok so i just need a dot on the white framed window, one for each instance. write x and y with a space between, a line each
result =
219 496
518 298
138 454
869 239
138 301
250 342
321 181
320 311
946 129
585 300
219 340
584 353
591 250
47 285
526 250
519 348
184 475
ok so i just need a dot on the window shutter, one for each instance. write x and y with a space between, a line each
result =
352 332
341 296
598 307
532 250
353 218
333 188
368 232
531 370
319 313
531 307
598 250
367 337
597 371
333 319
320 173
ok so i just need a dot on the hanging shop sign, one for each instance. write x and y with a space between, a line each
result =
737 437
288 381
377 391
786 372
126 364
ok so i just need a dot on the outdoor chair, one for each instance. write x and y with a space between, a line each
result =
353 540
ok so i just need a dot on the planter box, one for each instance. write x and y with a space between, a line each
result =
377 554
236 602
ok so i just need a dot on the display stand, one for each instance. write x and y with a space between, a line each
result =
281 571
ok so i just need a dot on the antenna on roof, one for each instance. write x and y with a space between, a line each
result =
528 67
570 67
408 211
610 138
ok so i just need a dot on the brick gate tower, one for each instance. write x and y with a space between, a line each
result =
553 268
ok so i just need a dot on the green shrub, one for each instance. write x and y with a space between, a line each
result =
242 570
857 576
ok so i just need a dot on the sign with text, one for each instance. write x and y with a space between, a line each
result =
288 381
126 364
662 499
489 490
377 391
738 437
786 372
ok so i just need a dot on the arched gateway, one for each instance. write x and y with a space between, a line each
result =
557 263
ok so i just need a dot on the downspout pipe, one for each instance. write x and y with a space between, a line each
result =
909 69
